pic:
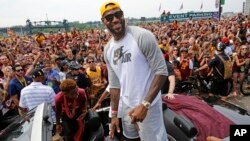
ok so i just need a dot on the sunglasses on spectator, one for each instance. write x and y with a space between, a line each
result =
110 17
19 70
90 62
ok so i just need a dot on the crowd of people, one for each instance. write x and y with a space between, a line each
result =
76 67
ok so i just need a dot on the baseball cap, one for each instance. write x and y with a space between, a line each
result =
225 40
108 5
36 73
64 62
74 65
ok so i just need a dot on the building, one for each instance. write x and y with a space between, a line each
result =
246 7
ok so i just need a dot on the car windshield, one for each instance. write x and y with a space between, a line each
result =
19 129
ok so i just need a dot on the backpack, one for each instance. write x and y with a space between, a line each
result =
228 65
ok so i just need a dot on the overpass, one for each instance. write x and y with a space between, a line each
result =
40 25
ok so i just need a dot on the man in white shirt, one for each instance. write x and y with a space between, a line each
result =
137 71
36 93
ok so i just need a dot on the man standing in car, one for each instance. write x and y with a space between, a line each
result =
137 71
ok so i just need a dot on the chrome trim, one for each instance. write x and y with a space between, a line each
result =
37 128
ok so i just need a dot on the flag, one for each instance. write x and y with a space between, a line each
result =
217 3
201 5
160 8
181 6
222 2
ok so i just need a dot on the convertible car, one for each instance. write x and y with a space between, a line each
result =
190 118
186 118
37 125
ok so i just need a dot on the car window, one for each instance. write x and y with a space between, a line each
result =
19 129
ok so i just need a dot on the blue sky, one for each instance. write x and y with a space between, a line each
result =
16 12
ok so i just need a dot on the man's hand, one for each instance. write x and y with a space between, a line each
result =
169 96
212 138
138 113
97 106
114 127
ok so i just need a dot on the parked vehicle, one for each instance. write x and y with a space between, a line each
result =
37 125
181 128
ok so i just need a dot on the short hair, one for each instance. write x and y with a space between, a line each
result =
67 85
90 58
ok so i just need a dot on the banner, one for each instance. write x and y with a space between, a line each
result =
185 16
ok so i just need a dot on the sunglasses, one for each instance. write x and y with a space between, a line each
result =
91 62
19 70
110 17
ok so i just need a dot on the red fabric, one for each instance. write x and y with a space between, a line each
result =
184 69
208 121
241 59
79 134
166 56
80 101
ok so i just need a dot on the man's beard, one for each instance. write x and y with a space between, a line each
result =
113 32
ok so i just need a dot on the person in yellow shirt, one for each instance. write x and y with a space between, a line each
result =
40 38
94 72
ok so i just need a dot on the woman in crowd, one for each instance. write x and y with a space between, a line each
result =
241 60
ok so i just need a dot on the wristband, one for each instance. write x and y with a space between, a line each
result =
114 112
